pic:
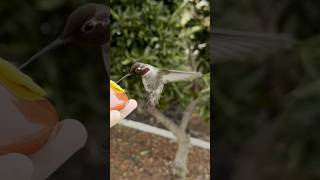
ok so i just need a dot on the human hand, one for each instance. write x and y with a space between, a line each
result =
117 116
30 125
69 137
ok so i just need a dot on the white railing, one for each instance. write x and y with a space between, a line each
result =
161 132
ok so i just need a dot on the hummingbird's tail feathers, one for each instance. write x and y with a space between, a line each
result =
152 100
148 104
146 101
173 75
52 45
232 45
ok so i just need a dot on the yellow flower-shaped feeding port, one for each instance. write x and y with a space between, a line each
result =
118 97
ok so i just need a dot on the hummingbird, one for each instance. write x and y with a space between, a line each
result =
88 24
154 79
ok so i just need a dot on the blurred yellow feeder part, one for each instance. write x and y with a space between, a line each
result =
118 97
116 87
27 118
18 83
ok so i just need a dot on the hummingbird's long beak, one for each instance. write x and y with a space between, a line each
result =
127 75
52 45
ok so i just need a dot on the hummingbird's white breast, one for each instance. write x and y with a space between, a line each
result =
153 84
151 79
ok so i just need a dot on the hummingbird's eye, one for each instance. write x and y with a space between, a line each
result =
88 27
138 69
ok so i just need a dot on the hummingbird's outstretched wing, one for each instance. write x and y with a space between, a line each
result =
173 75
232 45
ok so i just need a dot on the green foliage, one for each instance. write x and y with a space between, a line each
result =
160 34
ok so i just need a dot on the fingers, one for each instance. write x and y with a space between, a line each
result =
69 138
15 167
117 116
114 117
132 105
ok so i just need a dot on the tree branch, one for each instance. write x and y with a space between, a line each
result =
187 115
168 123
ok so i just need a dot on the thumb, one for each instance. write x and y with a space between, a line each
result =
114 117
15 167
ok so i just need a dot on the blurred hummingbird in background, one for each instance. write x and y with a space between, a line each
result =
154 79
88 24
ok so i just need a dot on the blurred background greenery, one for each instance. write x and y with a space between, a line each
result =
267 109
159 33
